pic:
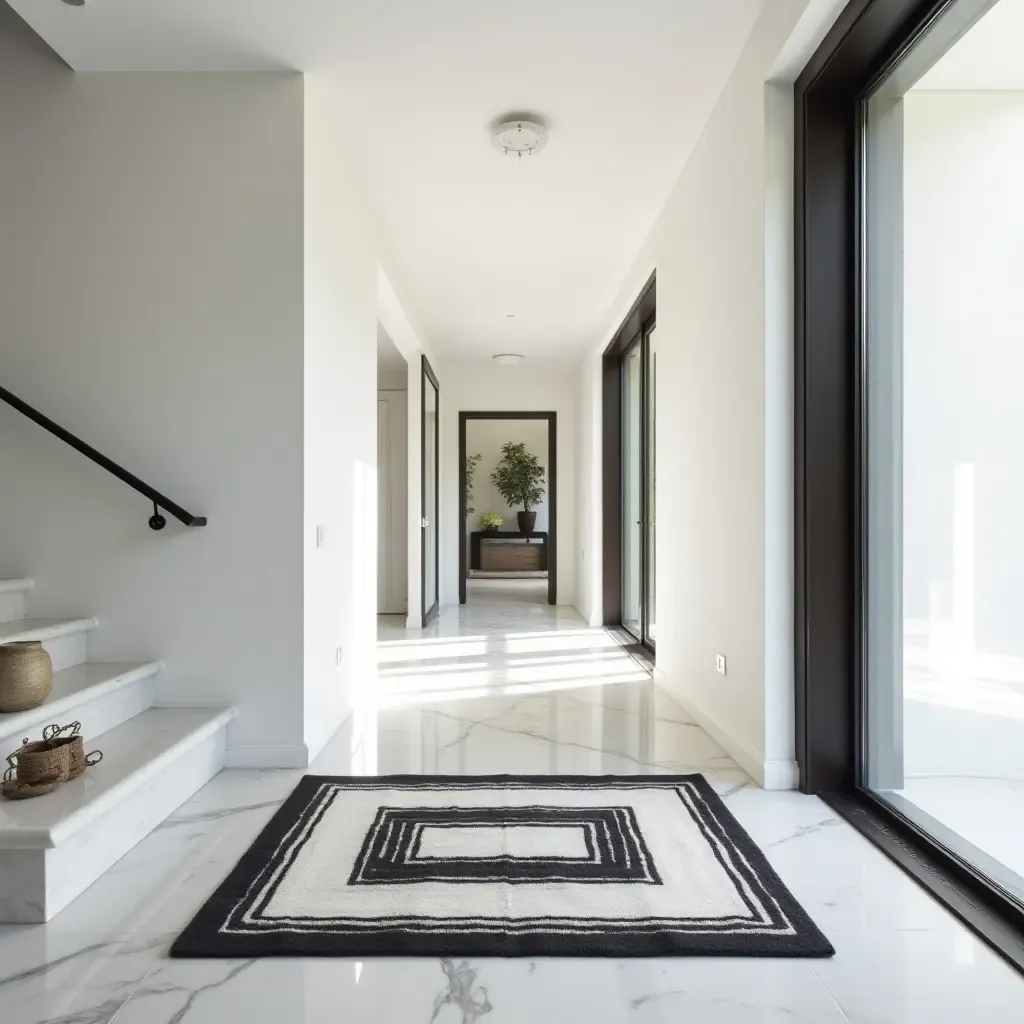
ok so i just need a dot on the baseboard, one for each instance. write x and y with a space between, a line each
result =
315 746
267 755
767 774
592 620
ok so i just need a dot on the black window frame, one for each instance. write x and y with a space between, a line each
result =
635 329
830 460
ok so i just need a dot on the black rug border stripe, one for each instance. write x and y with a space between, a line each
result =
202 937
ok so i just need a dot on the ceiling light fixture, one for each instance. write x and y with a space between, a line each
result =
75 3
519 136
508 358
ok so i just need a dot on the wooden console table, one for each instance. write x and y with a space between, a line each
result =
478 536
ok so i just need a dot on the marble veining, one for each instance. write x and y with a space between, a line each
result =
545 694
471 1002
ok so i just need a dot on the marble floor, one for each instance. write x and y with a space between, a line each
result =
499 686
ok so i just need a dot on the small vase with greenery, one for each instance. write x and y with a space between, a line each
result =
519 478
491 521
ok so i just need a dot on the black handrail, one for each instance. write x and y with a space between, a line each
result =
156 521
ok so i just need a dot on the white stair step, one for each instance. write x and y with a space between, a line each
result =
12 598
64 639
100 695
55 846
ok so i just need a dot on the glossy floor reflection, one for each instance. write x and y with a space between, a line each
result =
490 688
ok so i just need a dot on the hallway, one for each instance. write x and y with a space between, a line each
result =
483 692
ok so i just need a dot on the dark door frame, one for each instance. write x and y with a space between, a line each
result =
427 375
639 321
552 486
831 460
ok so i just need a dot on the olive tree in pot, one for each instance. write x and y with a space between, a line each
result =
519 478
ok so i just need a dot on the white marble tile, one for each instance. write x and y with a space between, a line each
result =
500 991
901 958
921 977
22 886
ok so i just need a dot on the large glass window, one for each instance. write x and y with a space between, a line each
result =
944 343
632 494
429 464
638 487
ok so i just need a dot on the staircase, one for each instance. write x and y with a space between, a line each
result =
54 847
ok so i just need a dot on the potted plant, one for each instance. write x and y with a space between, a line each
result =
471 463
519 478
491 522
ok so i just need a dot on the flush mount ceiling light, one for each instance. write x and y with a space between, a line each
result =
75 3
508 358
519 136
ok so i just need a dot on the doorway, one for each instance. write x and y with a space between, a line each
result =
508 551
629 426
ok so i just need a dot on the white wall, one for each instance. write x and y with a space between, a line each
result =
189 280
486 387
152 303
722 251
340 416
589 515
486 437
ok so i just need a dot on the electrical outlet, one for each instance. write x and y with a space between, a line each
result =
338 655
720 664
321 536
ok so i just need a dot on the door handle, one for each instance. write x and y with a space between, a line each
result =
424 523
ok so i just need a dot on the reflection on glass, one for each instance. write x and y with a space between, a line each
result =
632 528
944 234
430 453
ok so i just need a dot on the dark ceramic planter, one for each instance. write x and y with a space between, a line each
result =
527 521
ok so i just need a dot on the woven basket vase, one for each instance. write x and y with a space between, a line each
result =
38 762
26 675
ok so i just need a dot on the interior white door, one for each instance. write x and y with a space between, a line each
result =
392 503
383 509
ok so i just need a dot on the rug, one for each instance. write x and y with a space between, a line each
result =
623 866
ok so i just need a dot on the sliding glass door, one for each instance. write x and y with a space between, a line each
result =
637 477
430 476
632 490
943 243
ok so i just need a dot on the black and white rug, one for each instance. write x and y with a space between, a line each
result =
502 866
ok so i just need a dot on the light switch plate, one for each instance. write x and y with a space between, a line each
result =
321 536
720 664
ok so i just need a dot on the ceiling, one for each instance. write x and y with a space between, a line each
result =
489 253
988 56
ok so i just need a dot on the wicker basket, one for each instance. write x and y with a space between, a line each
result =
26 675
67 736
40 761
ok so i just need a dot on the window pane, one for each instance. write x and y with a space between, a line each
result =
652 629
632 425
944 231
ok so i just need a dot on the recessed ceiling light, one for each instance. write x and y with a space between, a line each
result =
508 358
